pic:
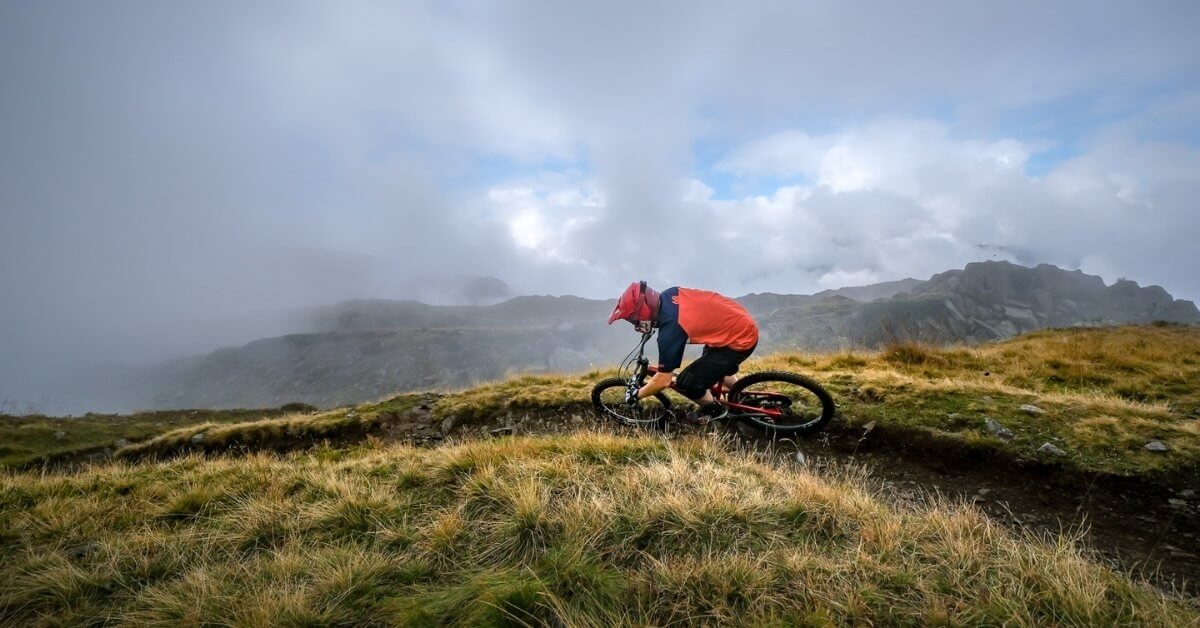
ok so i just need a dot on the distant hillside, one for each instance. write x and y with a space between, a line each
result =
361 350
984 301
766 302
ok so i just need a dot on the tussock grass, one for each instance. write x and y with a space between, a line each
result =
1106 392
286 432
27 440
587 530
528 393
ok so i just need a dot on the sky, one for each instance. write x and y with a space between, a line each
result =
174 175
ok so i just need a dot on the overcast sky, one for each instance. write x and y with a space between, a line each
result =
163 164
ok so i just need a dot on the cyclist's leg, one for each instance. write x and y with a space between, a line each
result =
735 362
697 378
715 364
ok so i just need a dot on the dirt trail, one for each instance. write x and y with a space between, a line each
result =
1142 527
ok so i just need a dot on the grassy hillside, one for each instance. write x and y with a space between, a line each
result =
30 439
1103 393
587 530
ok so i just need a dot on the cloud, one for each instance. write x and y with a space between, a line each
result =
165 165
786 153
904 197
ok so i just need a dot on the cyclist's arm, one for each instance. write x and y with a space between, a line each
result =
660 382
671 342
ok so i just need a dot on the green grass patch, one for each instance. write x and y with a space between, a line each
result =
26 440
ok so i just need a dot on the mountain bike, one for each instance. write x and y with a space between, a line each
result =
776 401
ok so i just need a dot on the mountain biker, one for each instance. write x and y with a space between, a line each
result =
688 316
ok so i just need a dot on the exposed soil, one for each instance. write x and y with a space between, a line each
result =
1146 528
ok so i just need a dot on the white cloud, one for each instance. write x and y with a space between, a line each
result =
785 153
543 213
841 278
904 197
898 198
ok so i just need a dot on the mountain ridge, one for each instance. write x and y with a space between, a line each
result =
363 349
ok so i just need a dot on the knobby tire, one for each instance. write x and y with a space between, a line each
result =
613 412
827 406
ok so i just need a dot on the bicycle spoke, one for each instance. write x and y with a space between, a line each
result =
646 412
782 404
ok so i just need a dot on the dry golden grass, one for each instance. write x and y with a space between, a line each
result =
584 530
1106 393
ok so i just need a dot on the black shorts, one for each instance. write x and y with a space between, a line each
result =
713 364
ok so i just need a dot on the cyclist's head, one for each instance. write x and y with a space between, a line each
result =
638 305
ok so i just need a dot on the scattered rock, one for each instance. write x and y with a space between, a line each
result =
60 435
1048 448
867 429
1031 409
198 438
502 431
1156 445
953 415
1187 492
800 457
121 442
997 429
1178 503
576 419
448 424
983 491
79 551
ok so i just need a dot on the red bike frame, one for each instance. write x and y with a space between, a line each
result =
719 394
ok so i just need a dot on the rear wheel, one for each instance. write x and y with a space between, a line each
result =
803 405
608 397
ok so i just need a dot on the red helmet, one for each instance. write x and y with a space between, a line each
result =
637 304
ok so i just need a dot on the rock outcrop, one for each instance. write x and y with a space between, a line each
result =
982 302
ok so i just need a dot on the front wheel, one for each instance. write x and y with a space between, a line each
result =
803 405
608 397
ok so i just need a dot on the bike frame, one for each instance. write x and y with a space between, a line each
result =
644 369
